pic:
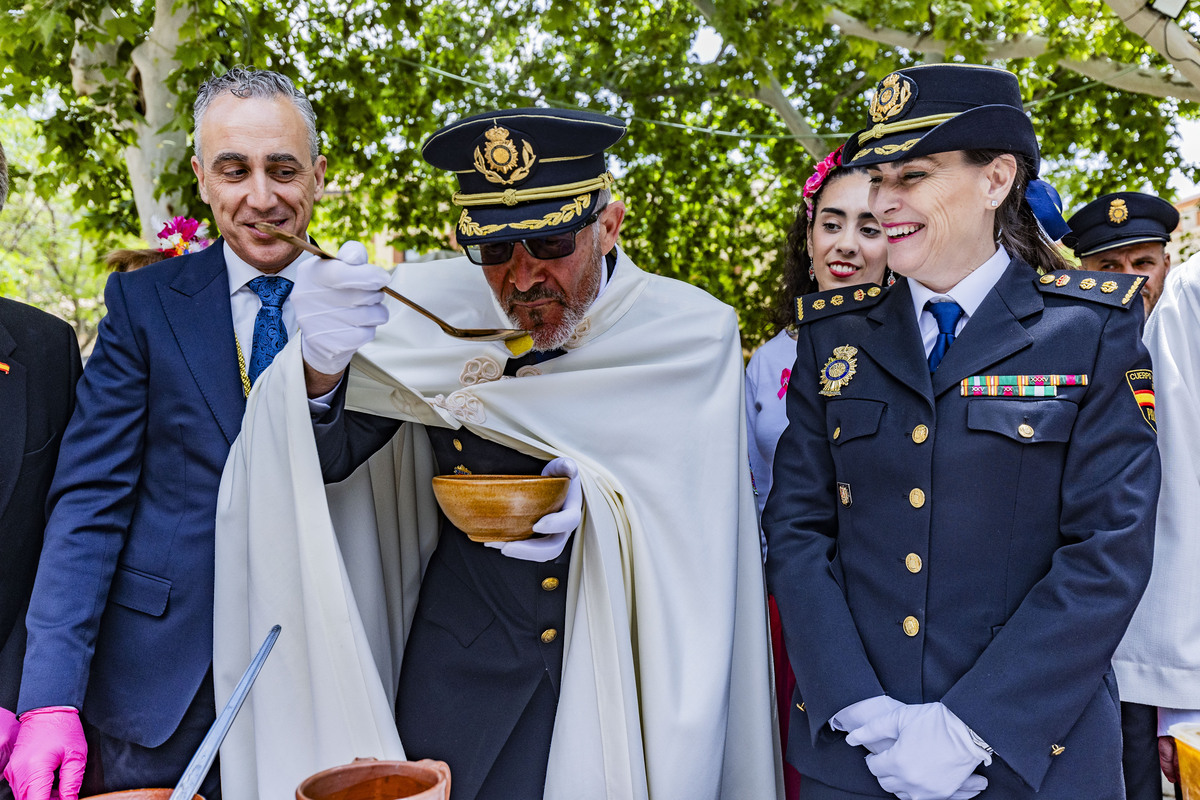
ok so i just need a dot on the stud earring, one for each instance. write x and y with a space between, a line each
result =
995 203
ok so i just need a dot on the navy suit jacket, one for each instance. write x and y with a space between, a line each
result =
120 623
1003 586
40 360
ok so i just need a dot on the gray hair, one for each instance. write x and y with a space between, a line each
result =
3 177
248 82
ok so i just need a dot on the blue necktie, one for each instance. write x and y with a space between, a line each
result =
269 334
947 314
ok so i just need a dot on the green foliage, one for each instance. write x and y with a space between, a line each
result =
45 260
710 173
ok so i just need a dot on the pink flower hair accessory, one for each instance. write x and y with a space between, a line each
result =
183 235
813 184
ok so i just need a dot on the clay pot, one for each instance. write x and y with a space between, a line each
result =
137 794
368 779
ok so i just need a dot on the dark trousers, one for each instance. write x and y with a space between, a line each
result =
1139 752
115 764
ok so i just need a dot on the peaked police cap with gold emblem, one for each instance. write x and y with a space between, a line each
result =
526 171
937 108
1120 219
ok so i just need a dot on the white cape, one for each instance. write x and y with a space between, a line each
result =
1158 661
666 688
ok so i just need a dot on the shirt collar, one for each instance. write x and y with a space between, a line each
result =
970 291
241 273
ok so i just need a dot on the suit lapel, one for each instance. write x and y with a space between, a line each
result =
895 344
12 405
196 304
995 331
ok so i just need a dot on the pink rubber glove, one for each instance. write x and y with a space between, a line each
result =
50 740
8 735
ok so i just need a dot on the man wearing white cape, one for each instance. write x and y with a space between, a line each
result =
627 657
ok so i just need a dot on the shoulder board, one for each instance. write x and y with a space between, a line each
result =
818 305
1109 288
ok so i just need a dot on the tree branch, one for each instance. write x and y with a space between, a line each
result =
770 92
1159 31
1125 77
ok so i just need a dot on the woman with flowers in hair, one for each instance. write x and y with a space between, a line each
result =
834 242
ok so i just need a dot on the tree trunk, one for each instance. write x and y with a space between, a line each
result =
157 150
157 147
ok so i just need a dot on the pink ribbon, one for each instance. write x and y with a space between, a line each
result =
783 382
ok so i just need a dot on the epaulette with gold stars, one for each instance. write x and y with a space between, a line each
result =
825 304
1109 288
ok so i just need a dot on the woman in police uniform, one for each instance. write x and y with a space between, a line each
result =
962 516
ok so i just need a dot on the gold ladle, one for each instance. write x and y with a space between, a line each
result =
518 342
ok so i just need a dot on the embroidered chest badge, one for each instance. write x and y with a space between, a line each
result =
838 370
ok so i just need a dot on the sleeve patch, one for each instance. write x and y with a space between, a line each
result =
1141 383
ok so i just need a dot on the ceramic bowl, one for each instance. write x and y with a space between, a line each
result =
498 508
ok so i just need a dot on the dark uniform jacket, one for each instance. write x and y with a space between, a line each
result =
480 679
39 365
982 551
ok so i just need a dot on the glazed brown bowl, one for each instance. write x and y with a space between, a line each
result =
498 508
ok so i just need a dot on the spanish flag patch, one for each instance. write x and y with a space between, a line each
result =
4 367
1141 383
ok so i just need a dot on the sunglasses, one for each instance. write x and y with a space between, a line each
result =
544 248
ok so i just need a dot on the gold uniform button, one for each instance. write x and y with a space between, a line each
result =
837 431
911 626
920 433
1025 430
458 445
1056 749
550 584
917 498
549 635
913 562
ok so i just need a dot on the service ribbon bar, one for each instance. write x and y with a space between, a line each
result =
1018 385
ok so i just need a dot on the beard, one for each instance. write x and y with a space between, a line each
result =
549 333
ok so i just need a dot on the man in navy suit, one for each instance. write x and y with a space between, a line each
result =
120 623
39 365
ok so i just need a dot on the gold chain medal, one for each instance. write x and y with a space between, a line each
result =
838 370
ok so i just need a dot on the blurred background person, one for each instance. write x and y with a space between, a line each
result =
39 364
1127 233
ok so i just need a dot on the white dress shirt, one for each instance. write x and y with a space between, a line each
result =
245 303
968 293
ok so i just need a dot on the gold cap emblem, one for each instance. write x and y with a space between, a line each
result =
497 158
1118 212
891 97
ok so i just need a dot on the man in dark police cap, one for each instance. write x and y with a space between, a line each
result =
550 666
1126 232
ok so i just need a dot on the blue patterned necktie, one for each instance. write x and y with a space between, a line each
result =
269 334
947 314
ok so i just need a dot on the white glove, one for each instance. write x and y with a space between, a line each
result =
557 525
338 305
854 716
934 756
